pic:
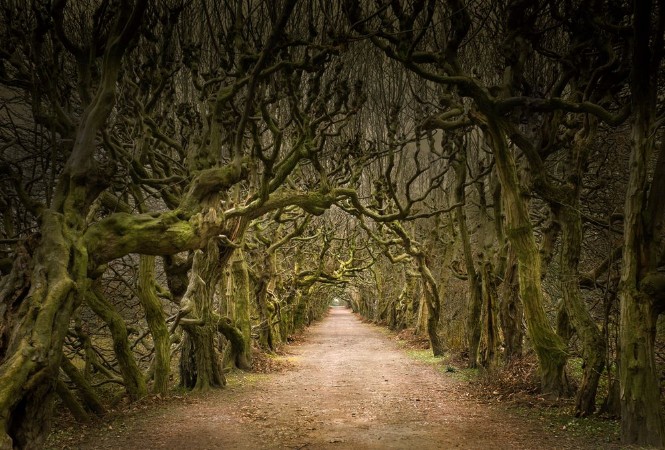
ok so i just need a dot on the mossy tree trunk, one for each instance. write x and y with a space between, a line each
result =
154 314
40 315
549 347
30 361
593 343
266 310
642 288
71 403
511 313
200 366
641 415
375 303
408 297
433 301
241 298
88 396
565 204
199 363
489 318
431 290
299 310
132 376
474 282
273 302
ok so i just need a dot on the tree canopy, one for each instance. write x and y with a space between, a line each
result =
182 178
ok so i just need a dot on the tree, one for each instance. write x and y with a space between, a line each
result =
81 228
642 287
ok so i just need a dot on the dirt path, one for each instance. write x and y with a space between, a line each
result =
351 387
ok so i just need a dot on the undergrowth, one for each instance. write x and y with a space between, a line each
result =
516 385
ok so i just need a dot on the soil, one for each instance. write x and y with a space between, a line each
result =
348 385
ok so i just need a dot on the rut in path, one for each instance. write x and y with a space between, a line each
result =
351 387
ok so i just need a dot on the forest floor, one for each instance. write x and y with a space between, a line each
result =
347 384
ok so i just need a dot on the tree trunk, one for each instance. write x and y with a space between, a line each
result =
41 316
433 300
241 298
421 319
593 343
474 321
380 295
89 397
154 314
236 340
199 363
474 287
411 297
489 318
71 402
548 346
511 312
265 309
131 373
641 413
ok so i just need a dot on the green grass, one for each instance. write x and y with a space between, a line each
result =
443 364
239 378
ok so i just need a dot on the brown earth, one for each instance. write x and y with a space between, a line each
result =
350 387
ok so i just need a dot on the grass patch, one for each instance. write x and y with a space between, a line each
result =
240 378
444 364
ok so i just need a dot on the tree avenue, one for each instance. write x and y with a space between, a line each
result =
184 182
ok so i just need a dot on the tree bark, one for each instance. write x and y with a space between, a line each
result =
511 312
135 384
90 399
433 301
489 318
31 360
71 402
154 314
474 283
265 308
241 298
199 364
593 343
641 413
548 346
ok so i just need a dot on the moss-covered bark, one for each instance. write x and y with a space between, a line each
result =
31 357
593 343
236 339
131 373
433 300
71 403
88 396
474 282
407 297
241 297
511 313
264 306
199 363
549 347
644 216
489 318
154 314
641 413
